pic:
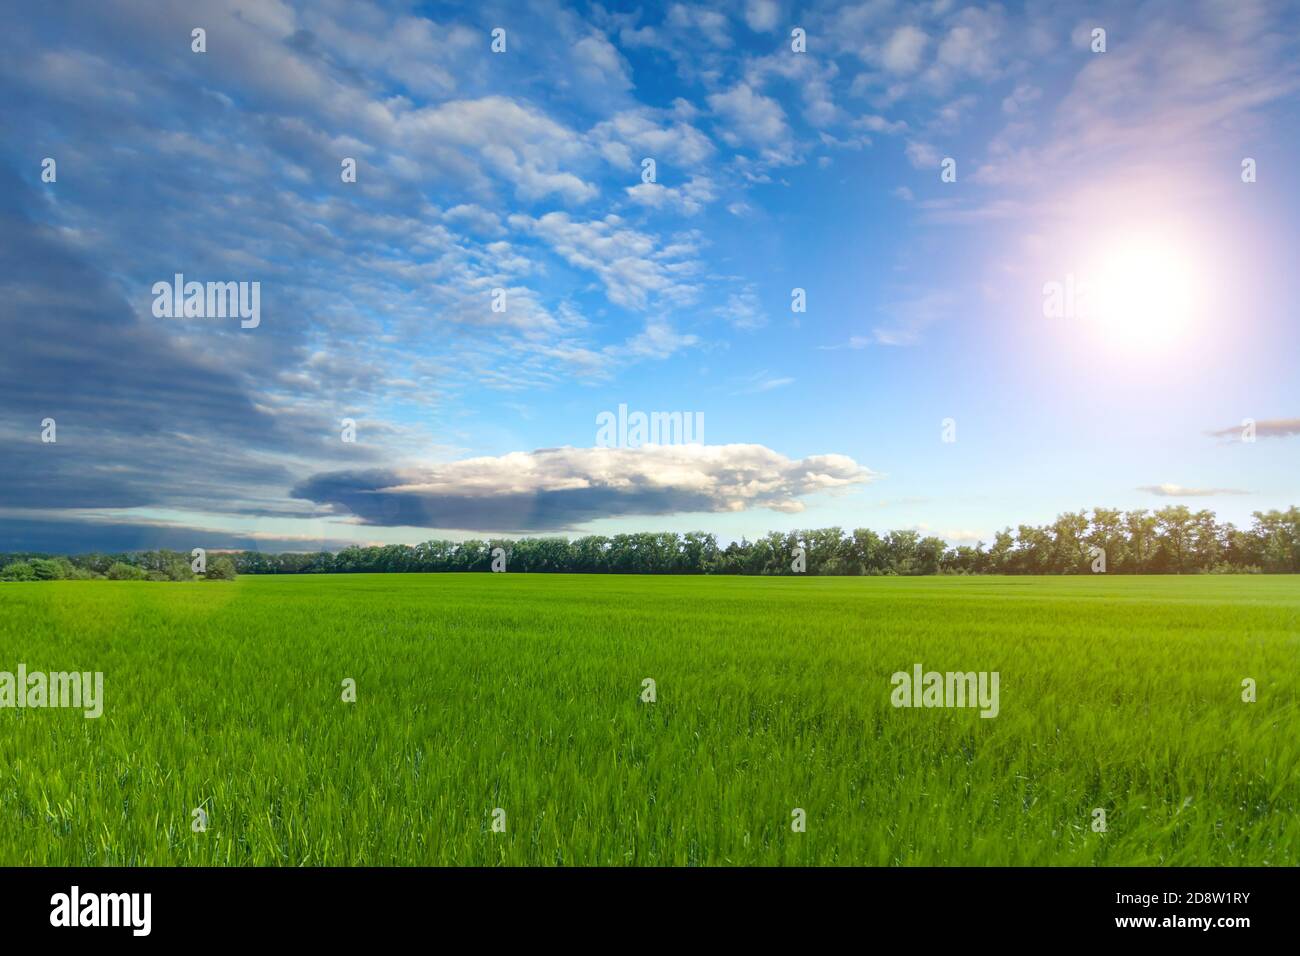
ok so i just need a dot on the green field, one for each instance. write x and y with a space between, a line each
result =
522 692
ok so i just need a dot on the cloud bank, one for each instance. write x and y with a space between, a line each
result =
555 489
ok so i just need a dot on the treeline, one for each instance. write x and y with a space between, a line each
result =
130 566
1173 540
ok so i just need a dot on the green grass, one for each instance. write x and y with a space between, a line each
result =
523 692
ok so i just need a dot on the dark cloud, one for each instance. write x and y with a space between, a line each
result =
557 489
80 536
139 420
365 495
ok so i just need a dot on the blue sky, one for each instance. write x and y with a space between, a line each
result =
522 171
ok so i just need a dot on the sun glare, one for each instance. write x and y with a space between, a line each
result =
1143 292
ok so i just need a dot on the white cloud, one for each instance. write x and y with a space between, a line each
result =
687 199
902 54
1178 491
1022 96
631 264
948 116
475 219
629 136
951 535
879 124
710 24
971 47
516 141
762 15
922 155
743 311
598 61
751 117
813 77
658 340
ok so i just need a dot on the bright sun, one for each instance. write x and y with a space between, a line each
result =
1143 292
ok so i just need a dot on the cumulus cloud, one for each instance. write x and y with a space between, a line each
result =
1021 97
922 155
743 310
687 199
700 19
813 78
879 124
902 54
1178 491
1269 428
762 15
631 135
658 340
750 117
972 46
600 62
951 535
554 489
475 219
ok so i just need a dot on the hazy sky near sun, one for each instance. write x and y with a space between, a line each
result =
522 171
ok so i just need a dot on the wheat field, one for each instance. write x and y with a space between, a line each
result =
500 719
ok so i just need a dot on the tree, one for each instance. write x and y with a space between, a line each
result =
1107 533
1278 535
1206 545
1175 523
591 554
121 571
221 568
48 569
868 551
1002 554
900 551
929 553
1034 550
1172 539
18 571
1141 528
828 552
699 551
1069 545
